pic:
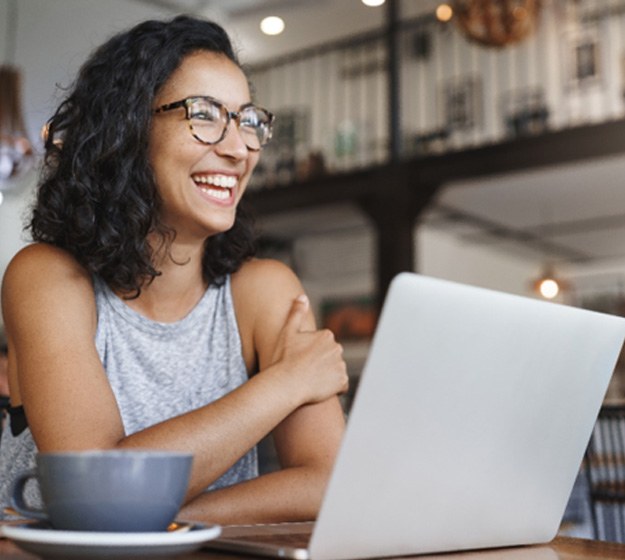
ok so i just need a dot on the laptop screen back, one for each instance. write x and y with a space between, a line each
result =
469 424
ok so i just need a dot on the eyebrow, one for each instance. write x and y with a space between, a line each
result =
243 106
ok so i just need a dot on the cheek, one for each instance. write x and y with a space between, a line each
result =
170 157
168 175
168 142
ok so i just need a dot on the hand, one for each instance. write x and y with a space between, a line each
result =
313 359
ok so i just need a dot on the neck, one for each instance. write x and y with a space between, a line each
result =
178 289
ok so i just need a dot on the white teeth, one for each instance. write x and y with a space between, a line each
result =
224 184
214 193
223 181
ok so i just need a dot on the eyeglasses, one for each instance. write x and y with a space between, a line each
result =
209 120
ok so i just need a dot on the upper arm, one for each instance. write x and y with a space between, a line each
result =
49 309
264 291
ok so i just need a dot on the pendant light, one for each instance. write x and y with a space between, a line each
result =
548 285
496 23
16 150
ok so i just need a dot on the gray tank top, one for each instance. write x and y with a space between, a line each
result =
157 371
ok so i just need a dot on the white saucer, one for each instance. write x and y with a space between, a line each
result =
47 542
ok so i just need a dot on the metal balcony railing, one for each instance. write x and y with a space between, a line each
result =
332 102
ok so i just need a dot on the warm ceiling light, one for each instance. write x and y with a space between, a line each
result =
373 3
548 288
444 12
548 285
272 25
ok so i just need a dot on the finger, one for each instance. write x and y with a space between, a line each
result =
297 314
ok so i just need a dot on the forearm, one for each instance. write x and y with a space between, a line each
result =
221 432
292 494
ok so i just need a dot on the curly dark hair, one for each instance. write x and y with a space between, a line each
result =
98 197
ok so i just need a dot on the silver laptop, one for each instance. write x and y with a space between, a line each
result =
467 430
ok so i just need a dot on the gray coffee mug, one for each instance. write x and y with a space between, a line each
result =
114 491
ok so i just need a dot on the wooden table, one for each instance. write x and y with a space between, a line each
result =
562 548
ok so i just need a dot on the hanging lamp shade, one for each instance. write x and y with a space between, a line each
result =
496 23
16 150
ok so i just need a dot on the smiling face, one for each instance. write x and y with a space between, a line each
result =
200 184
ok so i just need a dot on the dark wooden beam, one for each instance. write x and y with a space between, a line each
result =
328 189
549 149
522 154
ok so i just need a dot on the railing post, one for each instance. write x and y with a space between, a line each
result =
393 62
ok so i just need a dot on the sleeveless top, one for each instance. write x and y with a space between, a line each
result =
157 371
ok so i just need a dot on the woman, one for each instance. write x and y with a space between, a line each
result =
139 318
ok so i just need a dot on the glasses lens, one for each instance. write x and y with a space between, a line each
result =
208 119
255 126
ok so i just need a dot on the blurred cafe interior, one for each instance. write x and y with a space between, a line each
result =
481 141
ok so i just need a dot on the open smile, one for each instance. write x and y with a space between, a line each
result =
216 186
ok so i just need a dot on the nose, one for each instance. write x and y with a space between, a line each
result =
233 144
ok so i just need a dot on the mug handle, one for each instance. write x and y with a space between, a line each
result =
17 497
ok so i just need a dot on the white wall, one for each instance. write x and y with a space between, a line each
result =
343 264
53 39
13 213
444 255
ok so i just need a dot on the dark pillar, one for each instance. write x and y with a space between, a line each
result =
394 214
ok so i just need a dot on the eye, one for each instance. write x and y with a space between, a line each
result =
204 116
252 117
205 111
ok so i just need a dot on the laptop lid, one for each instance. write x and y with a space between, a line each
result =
469 424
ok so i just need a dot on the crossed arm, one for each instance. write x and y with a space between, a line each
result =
55 372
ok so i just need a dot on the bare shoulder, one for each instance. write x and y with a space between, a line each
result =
266 275
41 263
266 288
43 254
41 277
263 291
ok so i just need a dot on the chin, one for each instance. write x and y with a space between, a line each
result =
222 227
